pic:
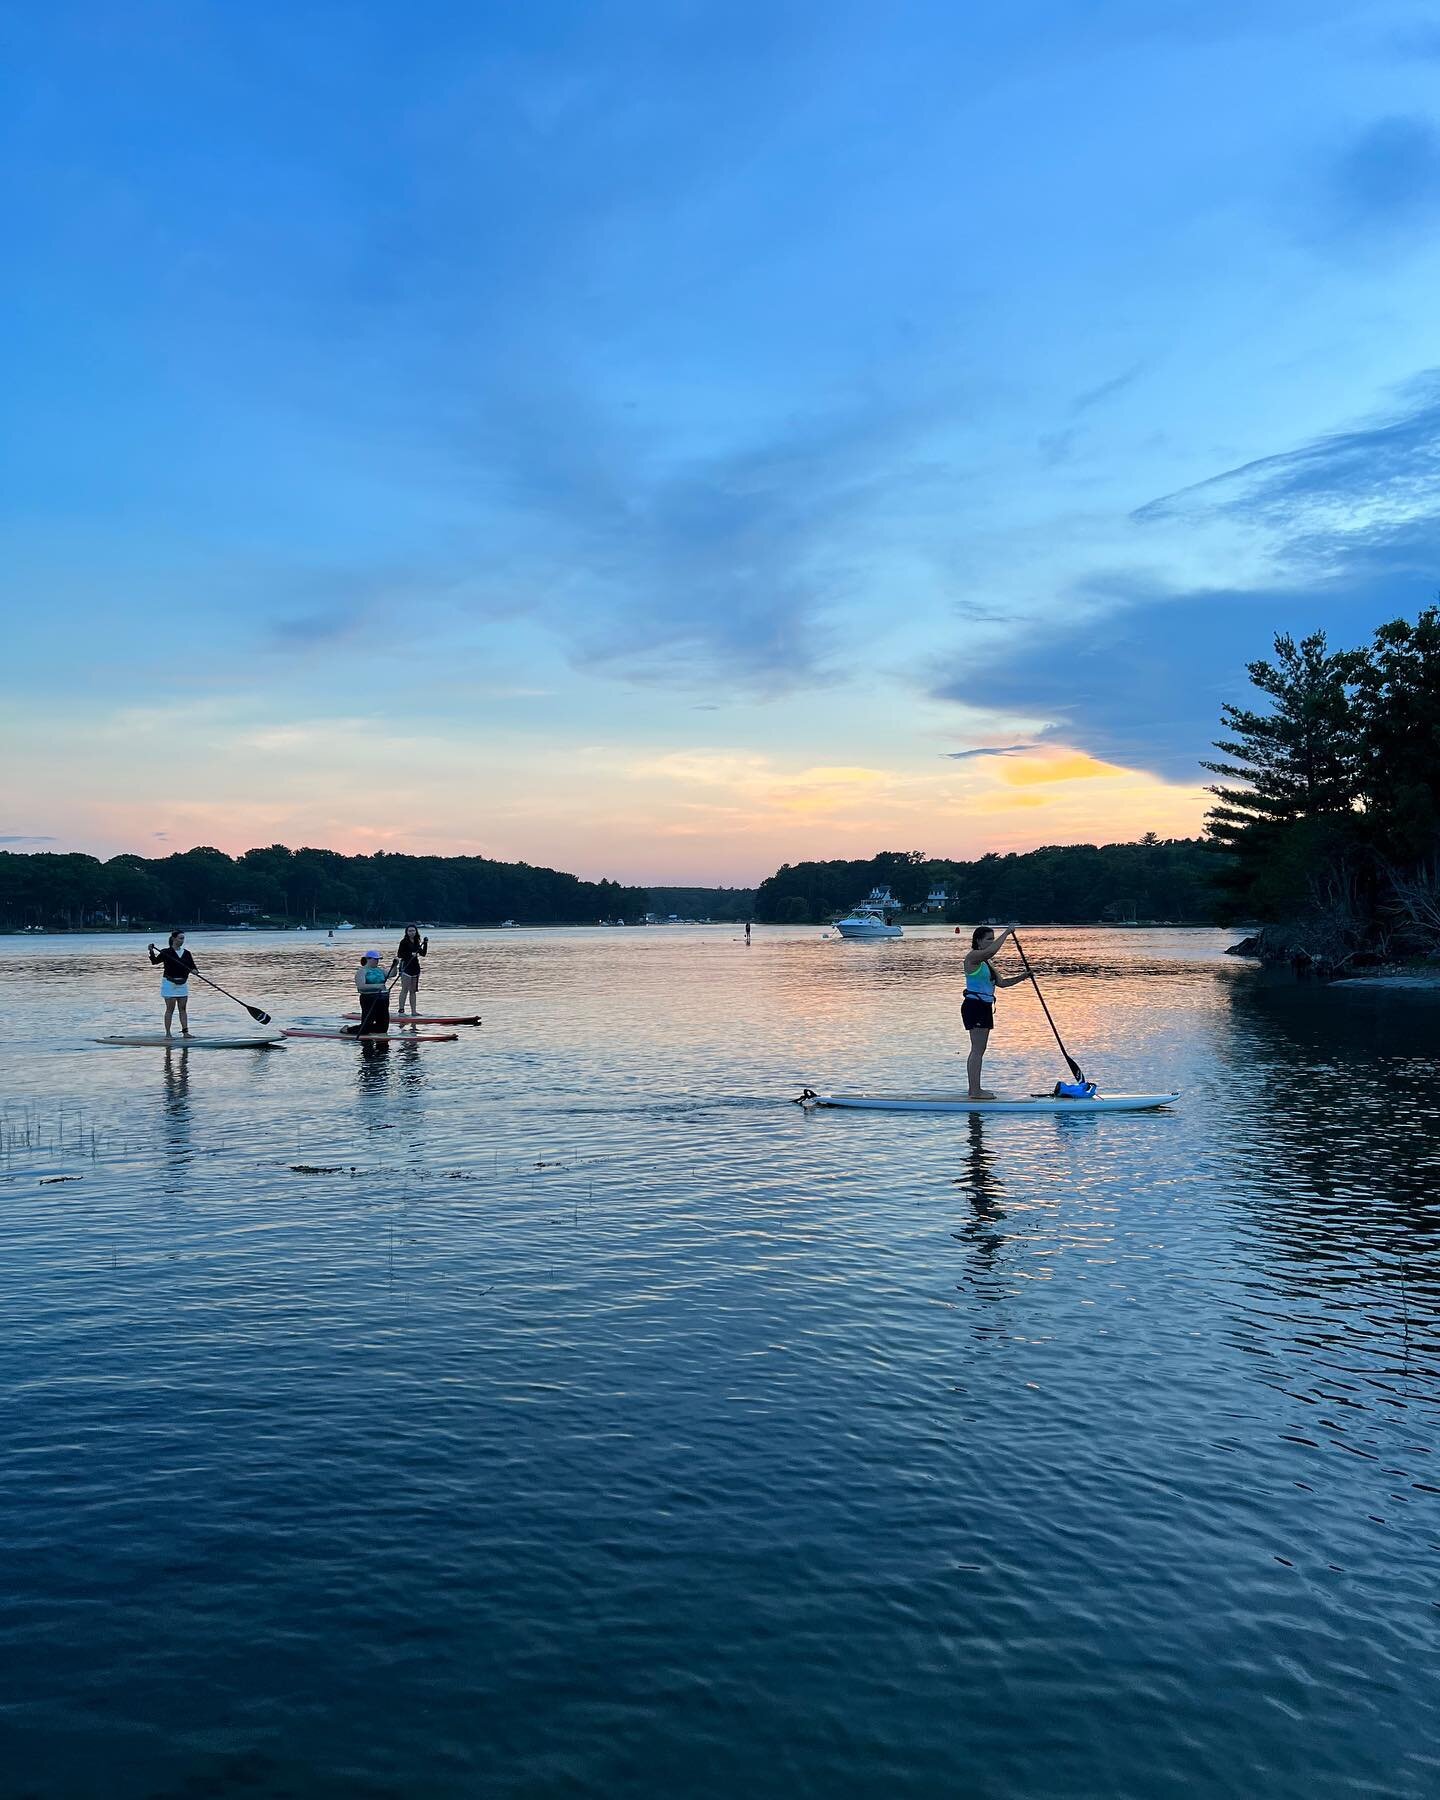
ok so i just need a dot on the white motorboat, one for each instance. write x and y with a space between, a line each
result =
871 919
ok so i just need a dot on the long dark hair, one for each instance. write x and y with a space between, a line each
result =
179 931
980 931
405 935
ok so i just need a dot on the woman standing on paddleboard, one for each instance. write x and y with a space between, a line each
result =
977 1009
178 965
407 961
374 994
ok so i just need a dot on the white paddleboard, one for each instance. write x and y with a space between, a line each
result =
194 1041
1012 1103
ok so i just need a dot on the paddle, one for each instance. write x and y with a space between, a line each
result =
1075 1068
390 987
260 1018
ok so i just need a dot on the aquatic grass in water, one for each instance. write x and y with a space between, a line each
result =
566 1411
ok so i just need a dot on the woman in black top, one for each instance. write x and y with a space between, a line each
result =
407 960
178 965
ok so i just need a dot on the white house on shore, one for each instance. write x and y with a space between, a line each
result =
939 898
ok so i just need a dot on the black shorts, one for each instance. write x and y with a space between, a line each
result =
977 1015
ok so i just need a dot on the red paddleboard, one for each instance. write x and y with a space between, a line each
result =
376 1037
427 1018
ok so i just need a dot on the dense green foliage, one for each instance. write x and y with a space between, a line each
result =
1290 778
205 886
1329 802
1063 884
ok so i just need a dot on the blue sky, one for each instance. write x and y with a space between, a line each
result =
654 439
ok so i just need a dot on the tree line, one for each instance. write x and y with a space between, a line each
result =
1328 802
721 904
279 885
1062 884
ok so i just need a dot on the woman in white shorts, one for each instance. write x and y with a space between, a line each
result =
179 965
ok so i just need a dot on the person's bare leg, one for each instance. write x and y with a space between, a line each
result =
978 1040
184 1017
169 1013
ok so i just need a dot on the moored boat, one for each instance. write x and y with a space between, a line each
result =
871 919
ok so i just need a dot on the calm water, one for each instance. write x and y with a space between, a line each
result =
561 1411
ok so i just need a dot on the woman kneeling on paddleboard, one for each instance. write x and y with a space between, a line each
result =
407 961
374 995
178 965
977 1009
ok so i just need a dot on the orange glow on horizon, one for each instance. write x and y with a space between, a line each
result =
1059 765
717 815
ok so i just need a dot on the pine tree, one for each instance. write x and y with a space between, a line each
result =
1300 760
1398 708
1290 782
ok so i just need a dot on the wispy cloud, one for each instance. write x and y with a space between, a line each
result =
733 563
1136 667
729 566
987 750
1104 390
314 630
1360 485
24 838
327 607
1057 447
762 788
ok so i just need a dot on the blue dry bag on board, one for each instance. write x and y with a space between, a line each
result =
1074 1090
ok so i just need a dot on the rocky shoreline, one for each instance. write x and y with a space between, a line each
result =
1391 978
1279 950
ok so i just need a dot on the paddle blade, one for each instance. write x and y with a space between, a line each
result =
1075 1068
260 1018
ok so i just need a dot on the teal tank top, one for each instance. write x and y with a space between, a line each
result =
980 984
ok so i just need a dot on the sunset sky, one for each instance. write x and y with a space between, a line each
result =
665 440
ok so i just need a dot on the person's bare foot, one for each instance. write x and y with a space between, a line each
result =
981 1094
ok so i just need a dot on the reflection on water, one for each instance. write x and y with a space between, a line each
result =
176 1113
983 1188
562 1410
